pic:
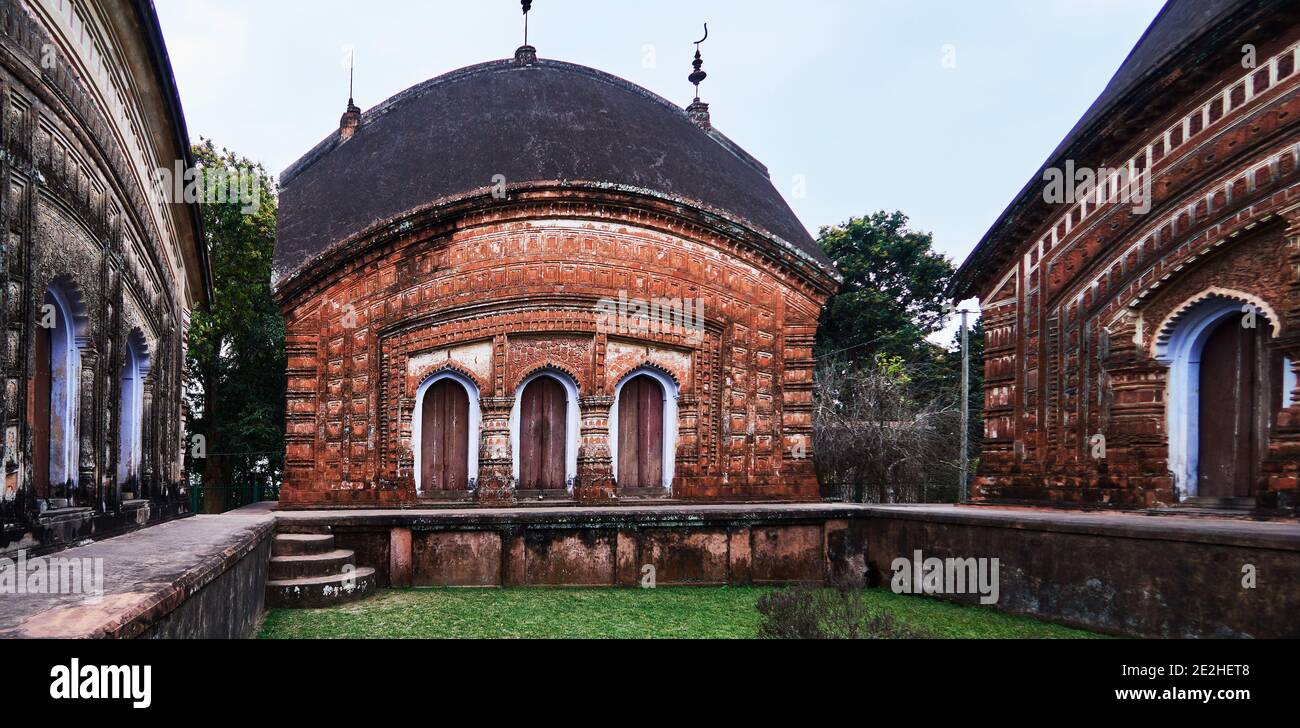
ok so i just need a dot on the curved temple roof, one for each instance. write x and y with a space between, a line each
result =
1159 51
545 121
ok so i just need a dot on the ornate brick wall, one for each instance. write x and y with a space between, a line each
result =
76 218
1076 315
499 289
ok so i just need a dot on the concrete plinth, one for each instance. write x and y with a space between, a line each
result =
591 546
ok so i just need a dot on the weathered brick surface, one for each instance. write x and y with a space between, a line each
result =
641 545
497 290
1073 317
80 214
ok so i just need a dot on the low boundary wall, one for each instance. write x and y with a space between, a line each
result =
1130 574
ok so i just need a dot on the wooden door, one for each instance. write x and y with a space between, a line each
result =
41 396
1229 428
543 422
641 433
444 438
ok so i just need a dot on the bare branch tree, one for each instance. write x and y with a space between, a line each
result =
877 440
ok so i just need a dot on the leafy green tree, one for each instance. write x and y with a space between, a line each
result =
893 294
236 358
887 398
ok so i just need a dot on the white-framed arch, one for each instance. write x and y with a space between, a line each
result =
417 424
62 314
571 423
1180 342
135 367
671 392
1160 342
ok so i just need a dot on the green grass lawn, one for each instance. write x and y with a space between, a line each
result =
693 612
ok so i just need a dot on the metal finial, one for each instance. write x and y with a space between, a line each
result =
528 5
352 64
699 75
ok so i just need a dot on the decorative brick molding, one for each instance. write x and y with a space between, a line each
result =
81 214
499 293
1076 316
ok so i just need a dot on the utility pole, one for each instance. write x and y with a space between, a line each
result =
965 408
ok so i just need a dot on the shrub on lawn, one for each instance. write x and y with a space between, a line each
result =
804 613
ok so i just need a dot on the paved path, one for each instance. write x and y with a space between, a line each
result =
145 574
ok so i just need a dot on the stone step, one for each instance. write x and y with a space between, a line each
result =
321 591
325 564
301 544
1229 503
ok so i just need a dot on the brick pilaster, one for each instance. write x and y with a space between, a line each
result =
1136 449
595 463
1281 467
496 483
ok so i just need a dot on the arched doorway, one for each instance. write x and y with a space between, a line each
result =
544 432
446 430
640 434
542 427
1236 406
130 408
1225 386
643 431
55 371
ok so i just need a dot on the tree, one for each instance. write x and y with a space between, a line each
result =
236 358
946 382
893 294
880 438
887 400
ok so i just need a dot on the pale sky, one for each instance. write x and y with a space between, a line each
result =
851 97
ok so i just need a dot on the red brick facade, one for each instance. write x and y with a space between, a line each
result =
1082 301
498 289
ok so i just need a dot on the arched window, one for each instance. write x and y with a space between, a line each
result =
56 370
643 430
131 409
445 434
544 432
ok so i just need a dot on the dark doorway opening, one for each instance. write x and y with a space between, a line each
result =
1237 398
444 435
543 424
641 435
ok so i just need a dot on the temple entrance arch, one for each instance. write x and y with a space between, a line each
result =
544 432
643 430
55 377
135 365
1224 387
445 434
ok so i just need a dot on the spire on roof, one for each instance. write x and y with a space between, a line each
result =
526 55
351 118
698 110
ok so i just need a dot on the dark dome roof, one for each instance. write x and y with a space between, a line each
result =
546 121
